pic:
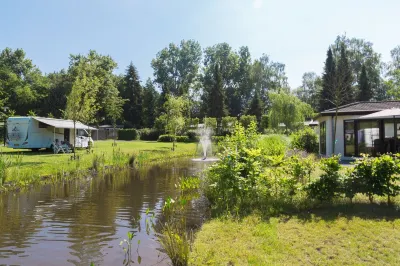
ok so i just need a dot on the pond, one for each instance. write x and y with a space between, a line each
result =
84 221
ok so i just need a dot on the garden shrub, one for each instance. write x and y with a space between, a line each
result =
232 183
192 136
228 123
170 138
374 176
328 185
217 139
149 134
246 120
128 134
305 139
264 122
210 122
194 123
272 145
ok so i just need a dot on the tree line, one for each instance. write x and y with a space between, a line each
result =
217 81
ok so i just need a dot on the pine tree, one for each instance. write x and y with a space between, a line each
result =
365 91
150 98
134 93
255 107
217 107
328 81
344 76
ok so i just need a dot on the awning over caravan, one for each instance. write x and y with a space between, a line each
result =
61 123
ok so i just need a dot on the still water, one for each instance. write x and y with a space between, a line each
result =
84 221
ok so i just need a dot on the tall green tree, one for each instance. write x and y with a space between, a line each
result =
133 92
361 53
328 83
268 76
344 77
82 102
287 109
310 89
217 107
176 67
175 108
21 82
150 100
114 109
227 60
60 87
100 67
365 92
255 107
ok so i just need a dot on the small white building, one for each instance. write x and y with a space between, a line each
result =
361 128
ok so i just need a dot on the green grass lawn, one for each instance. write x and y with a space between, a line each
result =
358 234
27 166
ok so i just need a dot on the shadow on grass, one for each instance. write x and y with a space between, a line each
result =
361 210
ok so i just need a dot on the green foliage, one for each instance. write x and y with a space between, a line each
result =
172 138
374 176
192 135
306 140
210 122
149 134
232 181
194 123
287 109
5 163
365 91
228 123
273 145
175 108
246 120
328 185
264 122
128 134
132 90
217 139
189 183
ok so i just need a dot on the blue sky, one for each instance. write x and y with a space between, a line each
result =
296 33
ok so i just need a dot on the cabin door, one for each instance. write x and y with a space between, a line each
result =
66 134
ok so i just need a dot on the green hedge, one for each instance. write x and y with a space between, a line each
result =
128 134
149 134
170 138
217 139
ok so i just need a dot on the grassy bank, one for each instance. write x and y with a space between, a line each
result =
26 167
358 234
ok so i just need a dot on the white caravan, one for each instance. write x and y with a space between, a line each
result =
31 132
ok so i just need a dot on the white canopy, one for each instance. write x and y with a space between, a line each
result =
388 113
61 123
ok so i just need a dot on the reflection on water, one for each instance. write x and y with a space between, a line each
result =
84 221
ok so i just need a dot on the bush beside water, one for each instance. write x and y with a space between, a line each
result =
258 173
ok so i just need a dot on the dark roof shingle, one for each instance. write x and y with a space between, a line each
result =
363 107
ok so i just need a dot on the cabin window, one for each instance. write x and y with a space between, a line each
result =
368 137
350 140
43 125
322 138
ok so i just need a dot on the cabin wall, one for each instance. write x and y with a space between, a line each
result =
339 137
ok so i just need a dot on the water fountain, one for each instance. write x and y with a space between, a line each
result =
205 143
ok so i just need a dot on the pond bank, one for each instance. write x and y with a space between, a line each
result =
27 168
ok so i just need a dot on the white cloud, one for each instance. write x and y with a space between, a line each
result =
257 4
